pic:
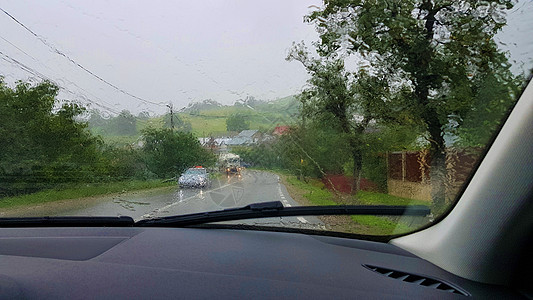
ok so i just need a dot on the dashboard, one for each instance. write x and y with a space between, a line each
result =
129 262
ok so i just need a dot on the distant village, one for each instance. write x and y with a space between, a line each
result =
243 138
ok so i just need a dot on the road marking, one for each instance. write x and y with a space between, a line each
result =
287 205
158 210
302 220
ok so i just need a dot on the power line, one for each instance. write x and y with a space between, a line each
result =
35 73
57 51
16 47
64 79
38 74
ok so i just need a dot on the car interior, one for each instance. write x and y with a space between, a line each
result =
481 247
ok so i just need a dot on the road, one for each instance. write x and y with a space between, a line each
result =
225 192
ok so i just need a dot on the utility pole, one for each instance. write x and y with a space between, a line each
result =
171 116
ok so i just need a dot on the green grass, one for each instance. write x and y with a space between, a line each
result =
203 125
81 191
318 195
381 225
372 198
213 121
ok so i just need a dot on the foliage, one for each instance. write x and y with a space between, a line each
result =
123 124
237 122
263 155
419 62
168 152
41 141
489 109
331 99
313 150
44 144
124 163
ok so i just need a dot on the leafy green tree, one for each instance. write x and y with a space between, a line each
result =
42 143
423 61
168 152
143 115
122 163
123 124
315 149
237 122
489 108
332 100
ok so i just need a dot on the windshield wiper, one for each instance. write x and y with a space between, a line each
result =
276 209
122 221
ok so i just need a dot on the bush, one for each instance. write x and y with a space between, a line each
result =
167 153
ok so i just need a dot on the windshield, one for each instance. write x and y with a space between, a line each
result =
103 106
195 172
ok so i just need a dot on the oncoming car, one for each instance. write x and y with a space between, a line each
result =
194 177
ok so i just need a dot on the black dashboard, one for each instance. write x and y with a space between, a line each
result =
105 262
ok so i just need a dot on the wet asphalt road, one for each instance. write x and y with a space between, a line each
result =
225 192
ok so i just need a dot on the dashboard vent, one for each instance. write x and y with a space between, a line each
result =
417 279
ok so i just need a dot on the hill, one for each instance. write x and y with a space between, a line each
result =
262 115
204 118
204 105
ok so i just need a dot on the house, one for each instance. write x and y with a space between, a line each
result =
280 130
216 145
245 137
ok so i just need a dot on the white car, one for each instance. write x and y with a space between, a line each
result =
195 177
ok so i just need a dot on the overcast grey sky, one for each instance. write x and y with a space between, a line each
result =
165 51
160 50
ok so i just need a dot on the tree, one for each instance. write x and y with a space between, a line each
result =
41 141
143 115
423 61
168 152
330 100
490 106
237 122
123 124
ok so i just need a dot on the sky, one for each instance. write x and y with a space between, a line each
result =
160 51
147 54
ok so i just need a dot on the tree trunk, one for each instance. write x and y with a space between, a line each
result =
437 171
357 164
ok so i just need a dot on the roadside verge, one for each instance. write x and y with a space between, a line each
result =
313 192
81 191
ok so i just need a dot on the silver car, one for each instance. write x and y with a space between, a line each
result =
194 177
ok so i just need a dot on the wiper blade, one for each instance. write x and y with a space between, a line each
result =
276 209
122 221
